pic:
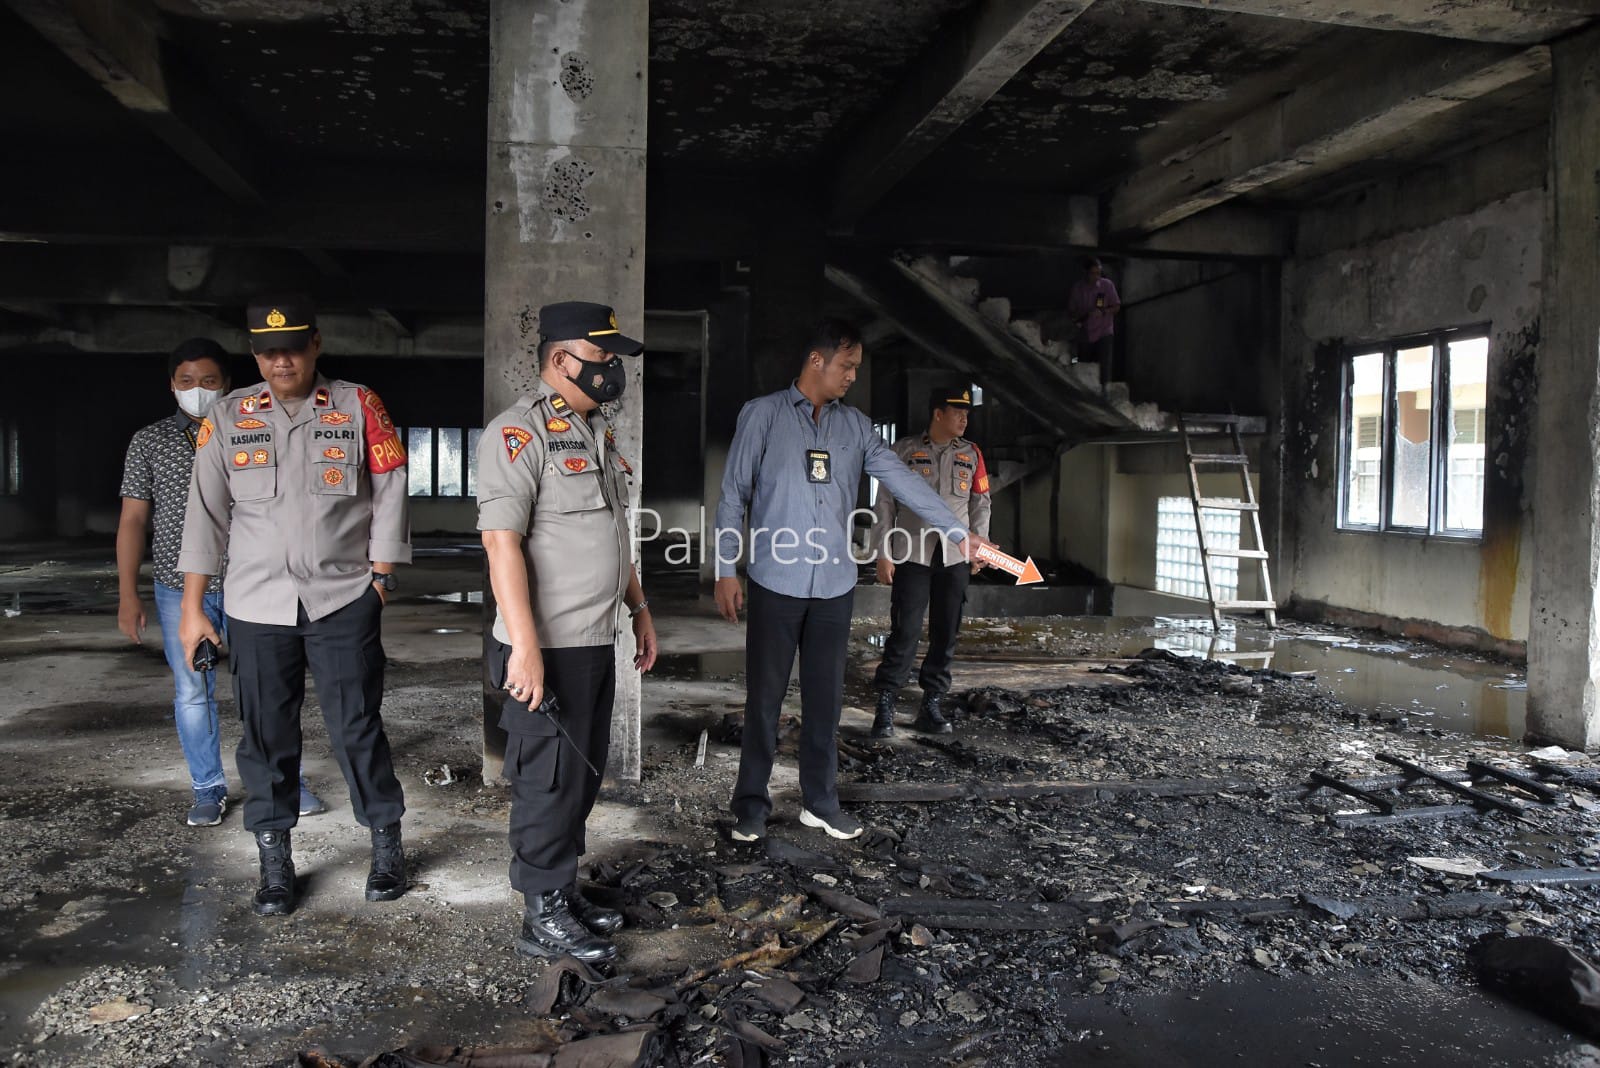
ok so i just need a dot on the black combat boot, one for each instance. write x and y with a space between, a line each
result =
597 918
549 929
883 718
931 720
387 879
275 895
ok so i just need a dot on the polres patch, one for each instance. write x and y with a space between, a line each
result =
516 440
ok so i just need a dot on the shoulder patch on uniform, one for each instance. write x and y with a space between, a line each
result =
249 424
322 399
557 425
516 440
205 433
558 403
575 464
336 418
384 451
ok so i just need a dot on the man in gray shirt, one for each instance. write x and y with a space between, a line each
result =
795 467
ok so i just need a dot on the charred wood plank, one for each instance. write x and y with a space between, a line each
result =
1543 877
1403 815
970 914
1000 791
1382 804
1479 770
1478 797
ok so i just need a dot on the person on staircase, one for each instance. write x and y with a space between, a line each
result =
1093 305
926 574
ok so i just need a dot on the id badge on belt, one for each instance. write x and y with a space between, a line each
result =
819 467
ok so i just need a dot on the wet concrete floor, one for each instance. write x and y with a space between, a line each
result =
109 895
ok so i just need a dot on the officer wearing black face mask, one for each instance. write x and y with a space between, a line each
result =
552 506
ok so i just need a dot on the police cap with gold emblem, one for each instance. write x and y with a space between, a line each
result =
952 395
286 322
596 323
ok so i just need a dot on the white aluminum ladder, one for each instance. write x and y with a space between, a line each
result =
1246 504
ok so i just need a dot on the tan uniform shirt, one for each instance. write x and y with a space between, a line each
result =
957 474
313 499
557 479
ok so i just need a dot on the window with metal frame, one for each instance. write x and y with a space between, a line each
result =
442 461
1413 433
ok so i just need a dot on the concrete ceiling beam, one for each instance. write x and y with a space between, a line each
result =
122 330
1488 21
118 44
158 276
1318 128
968 62
985 220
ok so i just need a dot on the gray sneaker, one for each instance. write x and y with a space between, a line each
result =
209 805
840 824
310 803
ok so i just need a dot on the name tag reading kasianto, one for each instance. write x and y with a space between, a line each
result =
819 466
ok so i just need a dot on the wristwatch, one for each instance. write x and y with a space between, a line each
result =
388 582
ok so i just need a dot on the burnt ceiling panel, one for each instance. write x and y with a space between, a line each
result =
768 84
1125 80
382 81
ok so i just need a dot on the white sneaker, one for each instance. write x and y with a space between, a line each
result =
840 825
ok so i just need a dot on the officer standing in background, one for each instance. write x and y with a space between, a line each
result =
928 574
552 506
313 475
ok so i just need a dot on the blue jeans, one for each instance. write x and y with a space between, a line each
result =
195 707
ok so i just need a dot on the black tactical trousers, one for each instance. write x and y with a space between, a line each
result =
552 789
940 592
778 625
344 651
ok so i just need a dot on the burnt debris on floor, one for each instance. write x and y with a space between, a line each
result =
1112 839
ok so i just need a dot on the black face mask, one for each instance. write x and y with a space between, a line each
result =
601 382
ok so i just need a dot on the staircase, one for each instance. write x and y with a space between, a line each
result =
947 286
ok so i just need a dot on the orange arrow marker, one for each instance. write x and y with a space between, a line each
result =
1027 572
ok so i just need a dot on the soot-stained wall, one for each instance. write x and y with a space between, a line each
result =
1482 267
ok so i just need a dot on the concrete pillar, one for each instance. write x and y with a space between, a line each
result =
1564 623
565 221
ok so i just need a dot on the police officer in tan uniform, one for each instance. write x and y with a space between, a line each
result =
926 571
312 476
552 506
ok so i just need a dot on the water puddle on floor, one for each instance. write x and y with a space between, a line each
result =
1473 695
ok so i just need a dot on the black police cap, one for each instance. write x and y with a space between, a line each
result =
953 395
595 323
286 321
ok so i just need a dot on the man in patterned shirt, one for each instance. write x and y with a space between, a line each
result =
155 491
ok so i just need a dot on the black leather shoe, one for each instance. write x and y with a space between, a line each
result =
275 895
549 929
597 918
387 879
931 720
883 718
